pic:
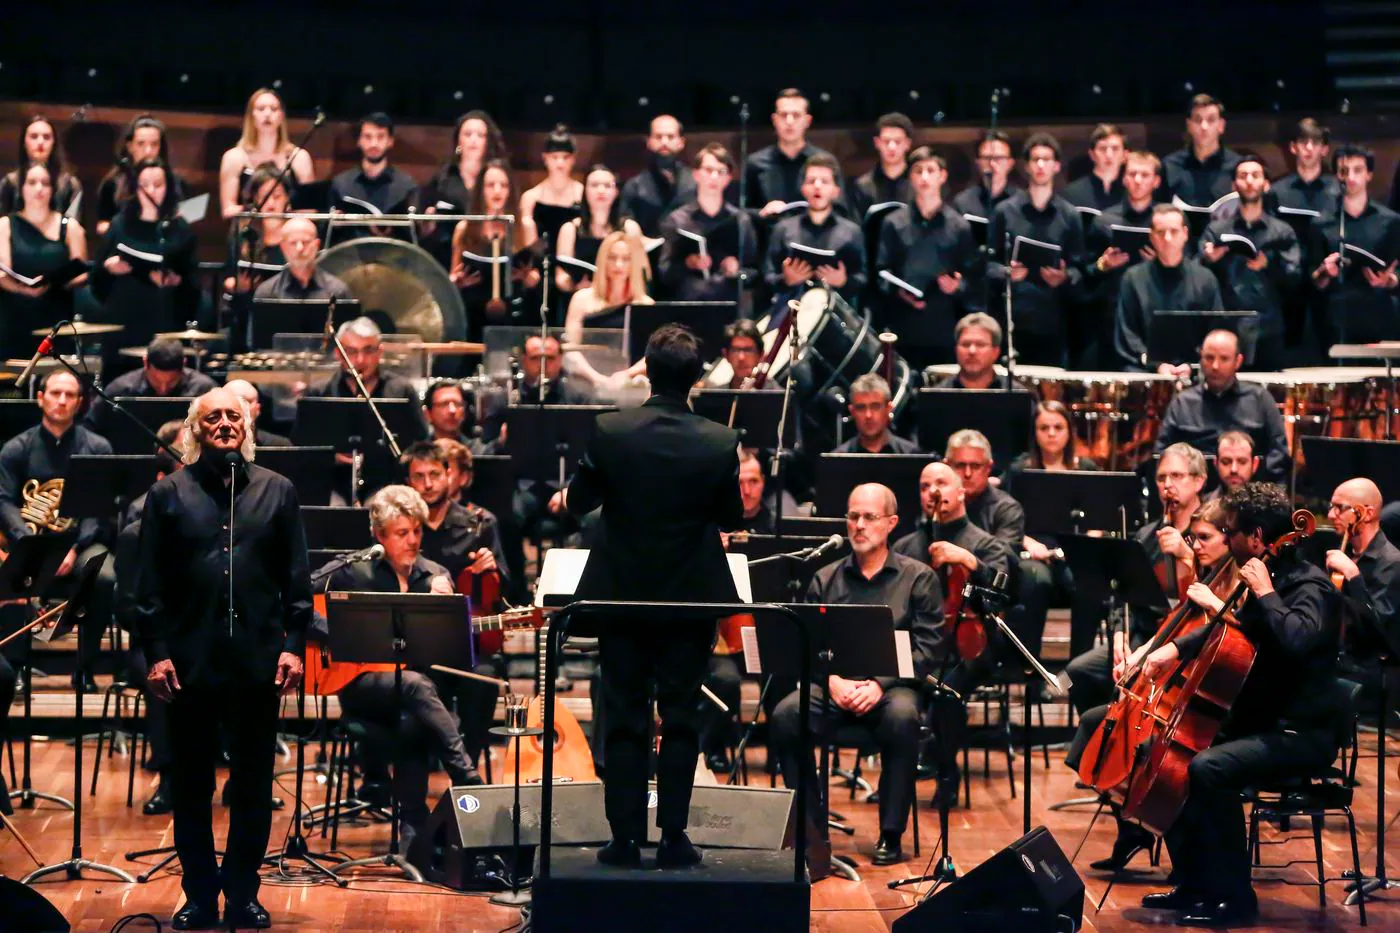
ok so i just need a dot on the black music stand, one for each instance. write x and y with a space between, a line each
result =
1071 502
126 436
102 485
271 316
336 528
1004 417
417 629
756 413
18 414
805 526
838 474
75 864
545 442
1331 461
348 425
706 319
1175 336
311 470
493 484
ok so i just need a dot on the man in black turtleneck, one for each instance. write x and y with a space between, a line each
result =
775 173
1204 171
1102 188
666 183
1170 281
889 179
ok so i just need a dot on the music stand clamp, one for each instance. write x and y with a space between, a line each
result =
418 629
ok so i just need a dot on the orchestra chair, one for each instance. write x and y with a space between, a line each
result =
119 698
995 731
1314 796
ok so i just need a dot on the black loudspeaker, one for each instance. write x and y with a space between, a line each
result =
1028 887
24 910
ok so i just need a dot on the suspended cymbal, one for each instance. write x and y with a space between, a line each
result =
80 329
450 348
190 334
139 352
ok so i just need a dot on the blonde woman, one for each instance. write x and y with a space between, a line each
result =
622 276
264 139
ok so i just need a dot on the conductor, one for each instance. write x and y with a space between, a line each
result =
668 482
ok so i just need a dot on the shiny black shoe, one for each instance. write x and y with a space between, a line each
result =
159 804
1220 914
718 763
1177 898
464 778
888 850
196 917
675 850
249 914
621 853
1131 840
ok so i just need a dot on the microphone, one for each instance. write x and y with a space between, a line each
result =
830 544
320 117
45 348
941 687
370 553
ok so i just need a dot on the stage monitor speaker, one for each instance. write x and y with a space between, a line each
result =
24 910
1027 887
734 817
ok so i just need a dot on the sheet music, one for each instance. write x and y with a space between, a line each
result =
749 636
904 654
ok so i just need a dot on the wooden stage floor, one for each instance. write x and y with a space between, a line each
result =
375 904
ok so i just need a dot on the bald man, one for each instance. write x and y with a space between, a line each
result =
1370 566
946 540
249 393
301 279
872 574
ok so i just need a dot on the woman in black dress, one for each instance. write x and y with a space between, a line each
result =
490 302
452 189
144 139
145 275
579 239
256 252
39 144
36 240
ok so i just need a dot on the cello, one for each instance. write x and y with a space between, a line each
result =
1211 684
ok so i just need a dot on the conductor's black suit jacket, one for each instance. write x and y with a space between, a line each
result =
668 481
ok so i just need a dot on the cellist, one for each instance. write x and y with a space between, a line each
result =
946 540
1281 725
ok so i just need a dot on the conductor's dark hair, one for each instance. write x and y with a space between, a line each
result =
561 140
378 118
166 355
1204 100
926 154
166 209
822 160
1040 140
1262 507
740 328
993 136
673 360
168 433
1308 128
895 121
1353 151
717 151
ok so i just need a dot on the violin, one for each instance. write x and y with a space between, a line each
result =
968 629
1338 579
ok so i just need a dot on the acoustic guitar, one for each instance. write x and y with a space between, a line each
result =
573 760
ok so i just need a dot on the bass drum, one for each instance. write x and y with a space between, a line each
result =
836 346
400 287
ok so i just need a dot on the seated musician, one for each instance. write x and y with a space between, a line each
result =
1200 414
1094 673
397 515
249 394
689 275
545 356
621 280
459 469
445 408
1283 724
163 374
1370 571
302 278
1052 447
373 181
871 575
466 540
1235 463
40 456
743 350
945 539
819 227
760 510
871 410
976 346
1169 281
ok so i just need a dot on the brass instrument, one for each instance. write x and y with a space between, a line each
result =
40 508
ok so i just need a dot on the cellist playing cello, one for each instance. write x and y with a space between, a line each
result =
1281 725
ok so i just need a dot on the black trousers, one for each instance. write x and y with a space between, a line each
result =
723 679
476 702
633 657
893 725
157 713
1091 678
248 715
405 736
1208 843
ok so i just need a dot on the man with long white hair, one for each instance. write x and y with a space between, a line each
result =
222 603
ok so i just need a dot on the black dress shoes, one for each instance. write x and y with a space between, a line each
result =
675 850
1176 899
1226 913
249 914
887 851
159 803
196 917
621 853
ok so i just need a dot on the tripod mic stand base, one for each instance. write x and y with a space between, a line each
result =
843 866
518 898
1368 886
25 799
74 868
392 860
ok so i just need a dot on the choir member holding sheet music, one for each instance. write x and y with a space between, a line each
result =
1039 240
1203 172
39 143
576 252
1356 255
926 259
256 252
776 173
144 139
1102 188
1118 239
817 245
374 186
42 256
700 259
477 141
264 139
486 264
888 181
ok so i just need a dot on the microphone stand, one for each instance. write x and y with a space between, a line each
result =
357 458
1010 320
776 470
742 279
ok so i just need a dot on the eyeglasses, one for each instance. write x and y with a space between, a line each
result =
1228 530
869 518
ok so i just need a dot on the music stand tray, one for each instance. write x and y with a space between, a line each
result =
539 435
1175 336
771 580
838 474
336 528
493 484
429 628
126 437
846 640
272 316
33 564
756 413
1331 461
100 484
1004 417
814 525
1115 568
311 470
347 423
706 319
1071 502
